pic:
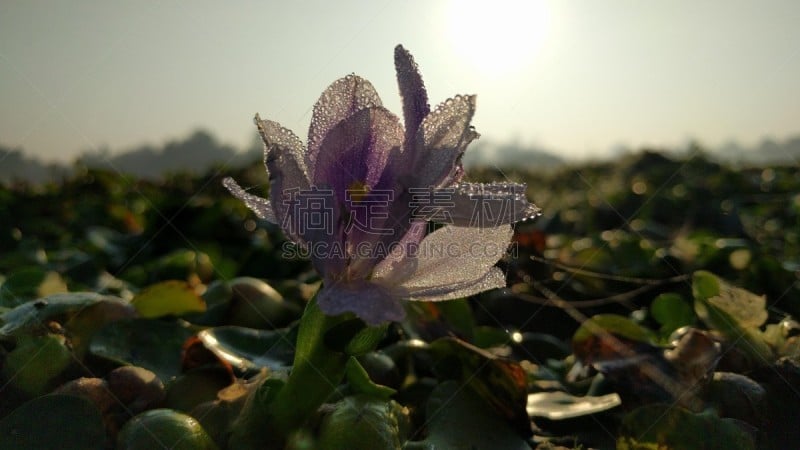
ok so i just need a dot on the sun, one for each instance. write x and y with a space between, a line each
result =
497 37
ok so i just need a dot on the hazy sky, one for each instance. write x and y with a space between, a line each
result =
577 77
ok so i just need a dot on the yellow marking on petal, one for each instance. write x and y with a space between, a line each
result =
357 191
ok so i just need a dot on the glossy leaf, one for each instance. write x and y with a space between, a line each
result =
559 405
249 349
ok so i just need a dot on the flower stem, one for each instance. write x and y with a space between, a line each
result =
318 369
316 372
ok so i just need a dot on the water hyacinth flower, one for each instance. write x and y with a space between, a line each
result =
359 195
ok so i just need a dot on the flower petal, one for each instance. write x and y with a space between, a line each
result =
399 264
355 157
412 91
482 205
454 257
493 279
441 141
260 206
343 98
357 150
371 302
284 158
282 148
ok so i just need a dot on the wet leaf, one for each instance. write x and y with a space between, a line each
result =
559 405
249 349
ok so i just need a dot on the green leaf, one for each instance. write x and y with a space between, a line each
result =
458 419
705 284
359 381
363 422
668 427
168 298
487 337
154 345
35 362
20 286
617 325
365 340
459 315
317 371
734 312
672 312
31 315
29 283
64 422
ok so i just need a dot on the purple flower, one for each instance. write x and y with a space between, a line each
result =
359 196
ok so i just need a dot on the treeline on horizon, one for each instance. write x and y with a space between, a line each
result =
201 150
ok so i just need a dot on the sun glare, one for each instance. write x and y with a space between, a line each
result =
497 37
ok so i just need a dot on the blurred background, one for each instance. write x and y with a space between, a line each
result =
660 139
155 86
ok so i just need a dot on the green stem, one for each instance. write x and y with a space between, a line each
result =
317 371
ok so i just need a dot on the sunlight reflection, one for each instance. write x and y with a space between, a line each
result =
497 37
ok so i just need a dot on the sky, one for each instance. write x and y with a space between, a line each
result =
578 77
